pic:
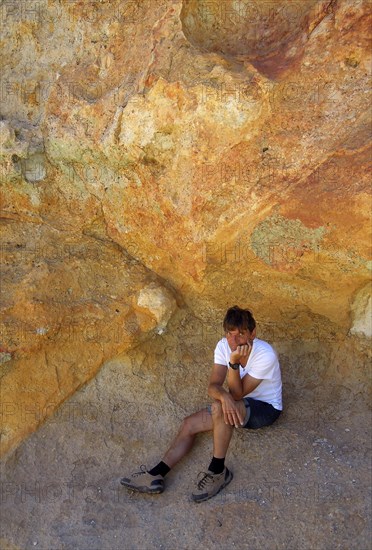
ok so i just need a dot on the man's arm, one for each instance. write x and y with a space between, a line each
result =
239 387
232 414
218 375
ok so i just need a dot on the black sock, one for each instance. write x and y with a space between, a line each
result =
160 469
217 465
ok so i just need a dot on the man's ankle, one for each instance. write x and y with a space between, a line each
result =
217 465
160 469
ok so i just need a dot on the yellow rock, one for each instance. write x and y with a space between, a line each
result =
185 153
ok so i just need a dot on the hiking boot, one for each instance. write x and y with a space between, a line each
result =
143 482
209 484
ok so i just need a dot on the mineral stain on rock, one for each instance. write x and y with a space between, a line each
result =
180 126
281 242
34 168
361 310
162 160
271 35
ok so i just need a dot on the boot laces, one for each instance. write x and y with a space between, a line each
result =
143 471
204 480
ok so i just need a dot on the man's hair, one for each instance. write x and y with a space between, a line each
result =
238 318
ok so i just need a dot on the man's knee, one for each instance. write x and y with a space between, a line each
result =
187 425
196 423
216 410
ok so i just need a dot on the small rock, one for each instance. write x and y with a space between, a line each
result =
33 168
361 310
159 302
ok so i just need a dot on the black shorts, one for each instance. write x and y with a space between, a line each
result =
259 413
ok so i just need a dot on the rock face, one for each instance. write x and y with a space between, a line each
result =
362 312
158 303
165 155
270 35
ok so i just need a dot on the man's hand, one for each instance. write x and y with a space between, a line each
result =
231 412
240 352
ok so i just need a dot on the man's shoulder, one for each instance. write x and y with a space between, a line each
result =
221 352
261 346
222 345
222 342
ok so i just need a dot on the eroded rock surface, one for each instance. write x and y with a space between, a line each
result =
142 149
362 312
310 470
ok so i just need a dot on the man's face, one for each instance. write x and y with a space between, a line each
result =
238 337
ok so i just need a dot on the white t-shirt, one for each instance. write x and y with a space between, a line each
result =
262 364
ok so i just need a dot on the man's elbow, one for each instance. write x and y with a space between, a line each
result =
214 390
238 397
235 394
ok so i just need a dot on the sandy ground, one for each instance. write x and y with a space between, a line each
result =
303 483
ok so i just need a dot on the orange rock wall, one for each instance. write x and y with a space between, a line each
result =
163 155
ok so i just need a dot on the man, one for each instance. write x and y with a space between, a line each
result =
254 400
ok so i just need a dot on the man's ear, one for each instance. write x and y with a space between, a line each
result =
253 333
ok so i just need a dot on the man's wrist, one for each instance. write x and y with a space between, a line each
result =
234 366
217 392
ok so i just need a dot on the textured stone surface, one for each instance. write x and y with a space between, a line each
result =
137 151
271 35
70 305
362 312
303 483
159 303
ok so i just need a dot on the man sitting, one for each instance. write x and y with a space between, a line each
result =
254 400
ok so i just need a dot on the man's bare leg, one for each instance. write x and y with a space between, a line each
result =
201 421
152 481
217 476
184 440
222 432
